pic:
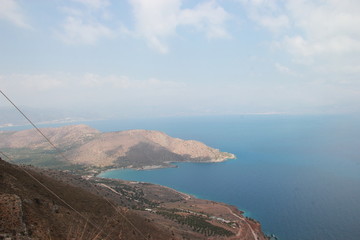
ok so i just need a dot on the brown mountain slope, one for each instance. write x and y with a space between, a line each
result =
63 137
132 148
29 211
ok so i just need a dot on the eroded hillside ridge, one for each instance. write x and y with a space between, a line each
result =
84 145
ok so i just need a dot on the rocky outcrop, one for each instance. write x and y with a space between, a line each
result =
11 217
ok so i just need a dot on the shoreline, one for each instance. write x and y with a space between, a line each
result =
174 202
186 196
169 165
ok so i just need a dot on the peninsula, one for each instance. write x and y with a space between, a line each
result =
86 147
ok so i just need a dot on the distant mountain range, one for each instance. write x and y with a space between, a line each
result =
81 144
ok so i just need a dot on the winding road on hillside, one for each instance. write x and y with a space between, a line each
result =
243 220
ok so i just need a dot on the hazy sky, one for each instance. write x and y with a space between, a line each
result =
182 57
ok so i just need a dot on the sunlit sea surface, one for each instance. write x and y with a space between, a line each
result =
298 175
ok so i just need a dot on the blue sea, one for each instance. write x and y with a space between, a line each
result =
298 175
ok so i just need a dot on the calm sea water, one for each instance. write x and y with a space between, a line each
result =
298 175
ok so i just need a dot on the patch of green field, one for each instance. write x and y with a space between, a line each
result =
36 157
197 223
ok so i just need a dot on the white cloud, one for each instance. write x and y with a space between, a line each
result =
30 82
207 17
329 27
85 25
267 13
274 24
11 11
157 20
321 19
316 21
76 30
297 45
90 90
312 31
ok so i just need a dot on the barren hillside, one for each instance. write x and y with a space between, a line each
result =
84 145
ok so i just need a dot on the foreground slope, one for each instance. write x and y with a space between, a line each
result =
28 210
84 145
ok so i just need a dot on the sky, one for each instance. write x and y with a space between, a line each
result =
155 58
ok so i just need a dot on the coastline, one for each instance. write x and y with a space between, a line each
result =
171 202
186 196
